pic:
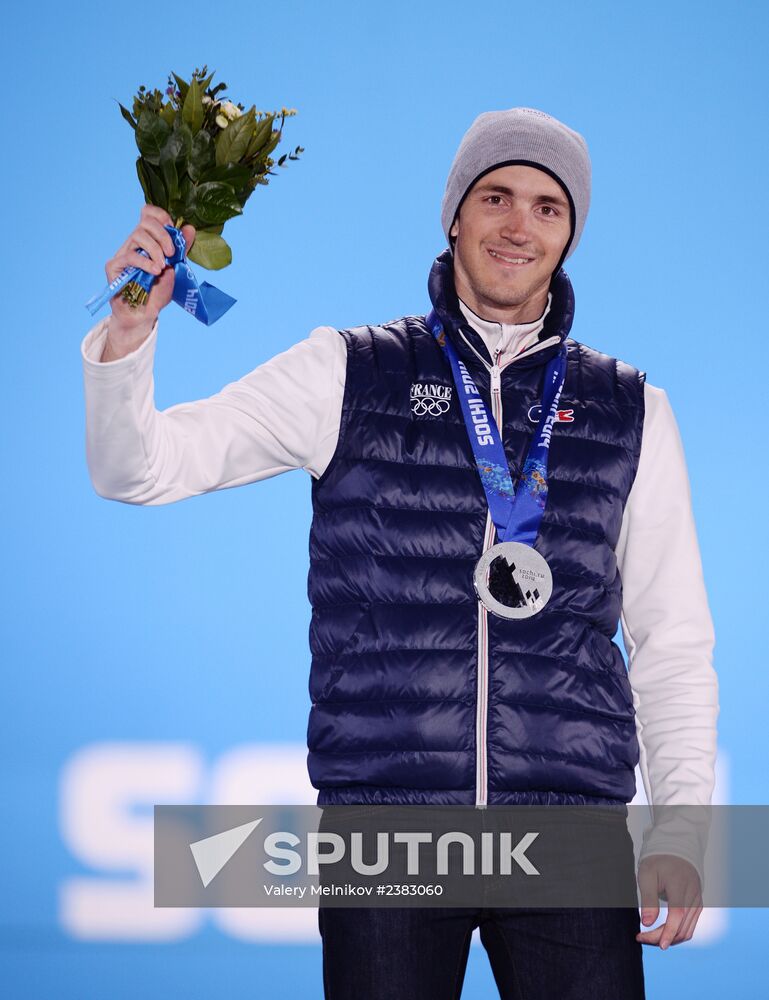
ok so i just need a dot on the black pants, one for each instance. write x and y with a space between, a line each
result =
535 954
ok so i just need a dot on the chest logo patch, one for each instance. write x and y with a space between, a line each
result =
429 399
561 417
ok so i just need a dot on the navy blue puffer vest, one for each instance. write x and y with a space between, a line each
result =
419 695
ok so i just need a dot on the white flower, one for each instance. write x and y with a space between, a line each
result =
232 111
221 121
206 99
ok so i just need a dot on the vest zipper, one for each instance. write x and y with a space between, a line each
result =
482 705
489 538
496 379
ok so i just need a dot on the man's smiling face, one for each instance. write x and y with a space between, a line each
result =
510 233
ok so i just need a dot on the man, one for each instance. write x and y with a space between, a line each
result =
433 681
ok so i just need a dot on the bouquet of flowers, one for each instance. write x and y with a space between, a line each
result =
200 158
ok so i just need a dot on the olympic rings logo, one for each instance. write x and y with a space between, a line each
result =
422 406
429 399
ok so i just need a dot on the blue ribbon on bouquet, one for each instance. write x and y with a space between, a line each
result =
204 301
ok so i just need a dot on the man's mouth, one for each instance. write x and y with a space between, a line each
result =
509 260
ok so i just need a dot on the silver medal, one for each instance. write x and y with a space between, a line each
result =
513 580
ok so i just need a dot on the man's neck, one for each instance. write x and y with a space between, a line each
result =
510 339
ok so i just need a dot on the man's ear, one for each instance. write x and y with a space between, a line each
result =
454 231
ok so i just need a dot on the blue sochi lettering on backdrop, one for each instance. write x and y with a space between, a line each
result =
203 301
516 514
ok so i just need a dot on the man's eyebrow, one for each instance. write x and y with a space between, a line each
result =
501 189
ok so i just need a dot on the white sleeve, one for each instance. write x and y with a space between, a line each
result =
282 415
667 628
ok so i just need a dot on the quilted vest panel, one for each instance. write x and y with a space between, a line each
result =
398 525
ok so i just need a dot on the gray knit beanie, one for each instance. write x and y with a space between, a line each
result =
529 137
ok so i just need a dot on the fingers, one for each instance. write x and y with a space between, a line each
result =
675 880
160 234
651 937
691 914
132 258
188 232
152 237
149 236
647 885
156 214
665 933
686 931
678 927
671 926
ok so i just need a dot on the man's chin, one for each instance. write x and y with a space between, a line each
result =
506 298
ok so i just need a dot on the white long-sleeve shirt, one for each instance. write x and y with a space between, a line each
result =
285 414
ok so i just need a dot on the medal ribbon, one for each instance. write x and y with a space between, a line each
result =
205 302
517 515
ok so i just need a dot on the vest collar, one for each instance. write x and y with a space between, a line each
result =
470 344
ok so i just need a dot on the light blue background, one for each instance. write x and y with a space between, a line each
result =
189 623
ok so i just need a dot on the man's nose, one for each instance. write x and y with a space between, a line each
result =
515 225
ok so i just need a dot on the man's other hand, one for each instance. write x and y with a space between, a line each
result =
666 876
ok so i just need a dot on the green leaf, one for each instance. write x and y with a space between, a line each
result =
173 160
178 146
272 143
168 113
210 250
234 174
170 177
192 109
144 181
187 210
245 193
158 187
183 87
127 115
204 84
152 184
151 135
184 194
261 135
215 203
202 156
232 142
